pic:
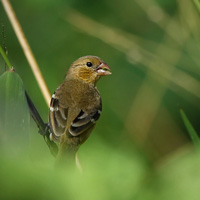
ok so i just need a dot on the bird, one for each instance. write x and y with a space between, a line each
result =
76 104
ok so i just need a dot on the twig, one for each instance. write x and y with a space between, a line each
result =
4 42
27 50
5 57
43 128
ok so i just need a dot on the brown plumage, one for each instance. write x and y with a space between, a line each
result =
76 104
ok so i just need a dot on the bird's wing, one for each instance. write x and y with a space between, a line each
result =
74 119
84 121
57 116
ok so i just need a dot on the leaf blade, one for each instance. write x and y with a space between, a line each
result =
193 134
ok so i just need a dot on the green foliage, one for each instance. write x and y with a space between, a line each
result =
152 48
176 179
193 134
15 116
197 4
116 176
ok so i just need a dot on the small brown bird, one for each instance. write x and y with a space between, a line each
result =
76 104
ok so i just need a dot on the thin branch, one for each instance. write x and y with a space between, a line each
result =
5 57
27 50
43 128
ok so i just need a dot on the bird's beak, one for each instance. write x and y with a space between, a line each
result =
103 69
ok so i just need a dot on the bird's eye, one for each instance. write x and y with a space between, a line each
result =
89 64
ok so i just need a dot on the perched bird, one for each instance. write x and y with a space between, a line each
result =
76 104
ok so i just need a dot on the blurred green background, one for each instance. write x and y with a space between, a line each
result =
140 145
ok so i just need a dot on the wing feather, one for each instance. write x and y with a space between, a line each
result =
57 117
80 124
73 119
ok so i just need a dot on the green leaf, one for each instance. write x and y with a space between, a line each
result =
193 134
197 4
14 115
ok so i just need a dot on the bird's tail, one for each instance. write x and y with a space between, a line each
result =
43 127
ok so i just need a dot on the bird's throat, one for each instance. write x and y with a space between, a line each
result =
87 76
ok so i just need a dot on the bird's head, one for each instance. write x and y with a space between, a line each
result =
89 69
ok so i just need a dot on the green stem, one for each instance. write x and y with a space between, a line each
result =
5 57
197 3
193 134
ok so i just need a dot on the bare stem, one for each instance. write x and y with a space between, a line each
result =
5 57
27 50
